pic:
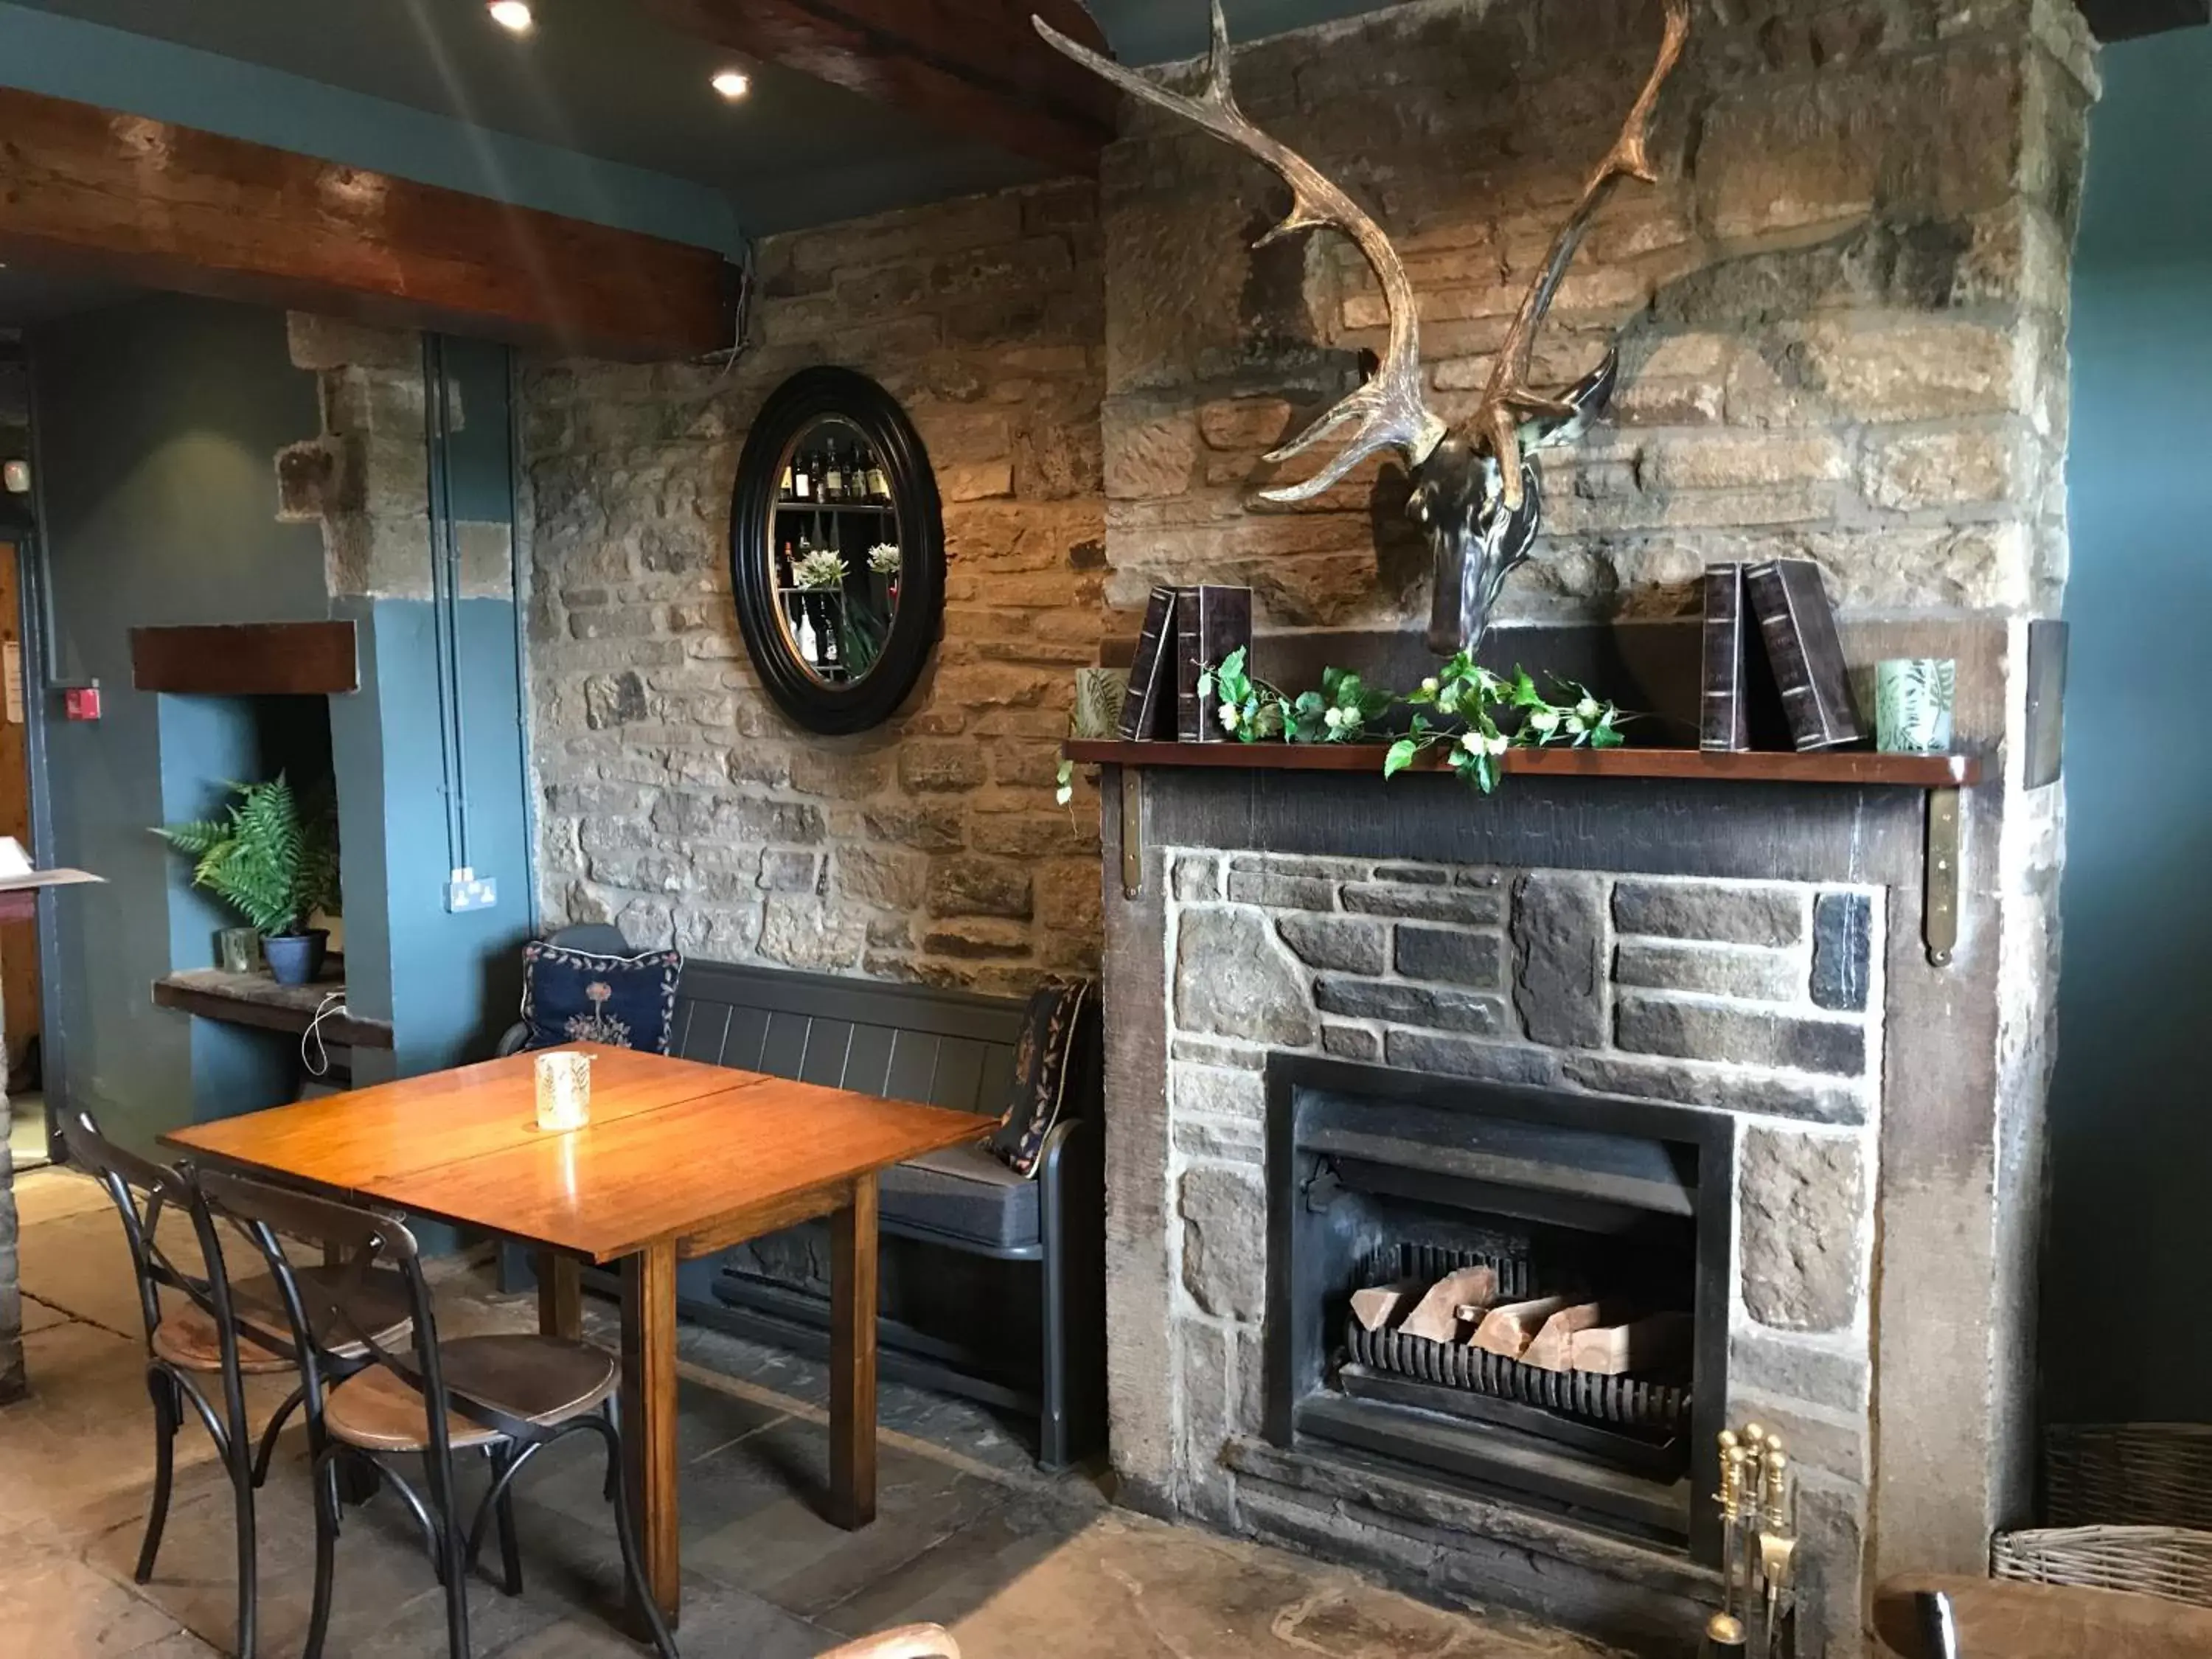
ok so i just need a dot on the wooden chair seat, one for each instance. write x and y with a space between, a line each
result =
540 1379
2004 1620
187 1339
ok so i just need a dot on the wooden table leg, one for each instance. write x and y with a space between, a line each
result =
648 1416
852 1359
560 1296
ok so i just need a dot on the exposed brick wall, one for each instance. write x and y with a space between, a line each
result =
1844 304
677 800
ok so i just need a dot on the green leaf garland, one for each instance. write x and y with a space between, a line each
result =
1473 715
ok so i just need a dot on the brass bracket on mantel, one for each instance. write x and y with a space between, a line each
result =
1939 905
1132 831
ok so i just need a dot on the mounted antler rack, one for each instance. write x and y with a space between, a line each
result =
1475 492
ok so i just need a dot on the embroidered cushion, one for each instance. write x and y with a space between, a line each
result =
1058 1035
574 996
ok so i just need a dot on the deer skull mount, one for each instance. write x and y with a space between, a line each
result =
1476 494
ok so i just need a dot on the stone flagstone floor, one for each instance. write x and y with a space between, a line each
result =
970 1535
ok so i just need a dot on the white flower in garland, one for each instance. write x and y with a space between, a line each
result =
820 568
1484 743
885 560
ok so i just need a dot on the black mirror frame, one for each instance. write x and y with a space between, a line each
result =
794 406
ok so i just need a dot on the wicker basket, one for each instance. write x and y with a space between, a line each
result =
2170 1561
2130 1505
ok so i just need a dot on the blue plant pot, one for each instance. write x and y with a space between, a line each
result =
297 959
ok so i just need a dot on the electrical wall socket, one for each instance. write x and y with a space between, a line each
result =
469 891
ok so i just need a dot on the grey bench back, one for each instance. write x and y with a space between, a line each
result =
951 1048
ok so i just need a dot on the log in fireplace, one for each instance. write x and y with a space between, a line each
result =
1622 1208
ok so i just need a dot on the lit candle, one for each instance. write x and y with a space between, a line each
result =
564 1090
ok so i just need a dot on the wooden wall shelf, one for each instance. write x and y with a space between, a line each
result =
308 658
258 1000
1852 766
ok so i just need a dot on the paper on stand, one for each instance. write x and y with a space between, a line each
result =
16 874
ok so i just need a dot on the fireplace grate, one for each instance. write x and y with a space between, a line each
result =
1516 1276
1623 1401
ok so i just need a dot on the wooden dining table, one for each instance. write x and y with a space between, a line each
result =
679 1160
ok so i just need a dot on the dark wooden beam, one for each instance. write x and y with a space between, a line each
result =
2125 20
973 67
315 658
171 207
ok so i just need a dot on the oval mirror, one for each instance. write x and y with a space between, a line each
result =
836 550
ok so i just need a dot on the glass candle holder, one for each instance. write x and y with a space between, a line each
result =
1914 701
564 1090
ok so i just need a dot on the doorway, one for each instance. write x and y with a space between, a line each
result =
30 1136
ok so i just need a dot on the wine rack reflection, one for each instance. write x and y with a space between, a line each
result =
836 552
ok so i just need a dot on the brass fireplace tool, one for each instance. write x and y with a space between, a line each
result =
1758 1549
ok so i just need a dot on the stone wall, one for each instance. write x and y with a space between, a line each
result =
1843 311
363 478
1763 998
675 799
1843 305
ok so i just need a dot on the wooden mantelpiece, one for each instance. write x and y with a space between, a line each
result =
247 660
1860 768
1940 777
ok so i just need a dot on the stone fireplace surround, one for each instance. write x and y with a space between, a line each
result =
1753 950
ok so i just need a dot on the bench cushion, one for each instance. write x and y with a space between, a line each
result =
578 996
965 1191
1055 1036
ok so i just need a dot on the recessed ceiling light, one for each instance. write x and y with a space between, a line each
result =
733 83
512 15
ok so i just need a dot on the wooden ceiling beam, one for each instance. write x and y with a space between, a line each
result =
170 207
2126 20
973 67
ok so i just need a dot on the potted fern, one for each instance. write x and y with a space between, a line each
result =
275 860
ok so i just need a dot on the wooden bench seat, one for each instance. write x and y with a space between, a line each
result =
950 1049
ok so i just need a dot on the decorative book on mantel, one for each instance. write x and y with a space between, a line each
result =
1770 636
1186 631
1146 711
1211 624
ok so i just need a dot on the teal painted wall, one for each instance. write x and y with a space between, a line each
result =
452 982
2131 1110
68 58
157 426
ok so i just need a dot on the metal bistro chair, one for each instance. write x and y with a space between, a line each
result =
185 1345
213 1331
509 1396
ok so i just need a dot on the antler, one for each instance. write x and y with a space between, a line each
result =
1509 398
1391 412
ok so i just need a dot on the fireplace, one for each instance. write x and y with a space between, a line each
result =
1678 1043
1619 1210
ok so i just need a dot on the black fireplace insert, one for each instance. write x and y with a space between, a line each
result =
1606 1221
